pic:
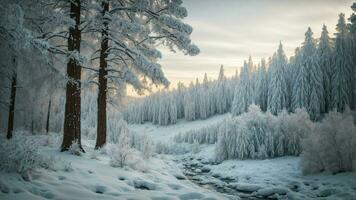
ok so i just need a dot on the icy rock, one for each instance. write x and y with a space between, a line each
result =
205 169
327 192
244 187
179 176
192 195
4 188
266 192
144 185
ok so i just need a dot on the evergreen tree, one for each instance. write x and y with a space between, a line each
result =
261 86
242 97
302 88
353 53
317 96
342 77
221 92
277 91
323 60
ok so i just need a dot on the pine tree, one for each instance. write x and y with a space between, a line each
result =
317 96
277 91
189 103
323 59
342 77
221 92
242 97
353 53
261 87
130 32
302 88
72 129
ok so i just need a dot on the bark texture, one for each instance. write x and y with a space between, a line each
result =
102 94
10 126
71 131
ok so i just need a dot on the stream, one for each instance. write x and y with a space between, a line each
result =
198 172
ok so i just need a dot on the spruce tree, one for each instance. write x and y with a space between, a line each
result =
342 77
242 97
317 100
353 53
277 91
302 88
324 61
261 86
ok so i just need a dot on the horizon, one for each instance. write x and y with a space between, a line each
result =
258 36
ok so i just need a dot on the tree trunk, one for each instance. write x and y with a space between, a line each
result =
10 126
48 115
102 94
71 131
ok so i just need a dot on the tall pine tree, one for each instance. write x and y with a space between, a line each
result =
317 100
277 91
342 77
302 88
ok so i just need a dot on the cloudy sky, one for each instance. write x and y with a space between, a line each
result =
228 31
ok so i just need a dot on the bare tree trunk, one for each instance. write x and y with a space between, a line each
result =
102 94
10 126
48 115
71 131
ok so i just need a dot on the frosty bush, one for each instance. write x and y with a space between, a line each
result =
75 149
262 135
205 135
21 154
120 151
196 147
114 134
147 146
172 148
331 146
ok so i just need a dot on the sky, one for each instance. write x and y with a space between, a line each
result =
229 31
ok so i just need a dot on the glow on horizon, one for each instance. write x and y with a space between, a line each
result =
229 31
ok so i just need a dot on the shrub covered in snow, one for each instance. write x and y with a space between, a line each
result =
262 135
331 146
75 149
21 154
120 151
172 148
205 135
114 134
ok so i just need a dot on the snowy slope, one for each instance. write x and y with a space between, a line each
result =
166 133
279 178
96 179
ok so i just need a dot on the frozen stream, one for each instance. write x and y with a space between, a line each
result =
197 172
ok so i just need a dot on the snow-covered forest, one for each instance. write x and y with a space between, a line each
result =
283 127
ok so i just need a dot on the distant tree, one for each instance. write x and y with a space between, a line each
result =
317 95
242 98
342 77
261 86
277 90
189 104
353 53
222 93
324 64
302 88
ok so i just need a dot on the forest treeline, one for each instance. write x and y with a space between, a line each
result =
320 77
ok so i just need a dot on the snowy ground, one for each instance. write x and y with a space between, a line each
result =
187 176
279 178
91 178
